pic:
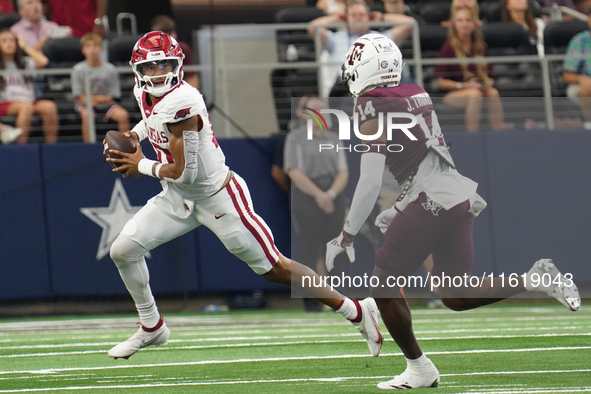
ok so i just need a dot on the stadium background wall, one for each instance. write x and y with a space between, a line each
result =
536 184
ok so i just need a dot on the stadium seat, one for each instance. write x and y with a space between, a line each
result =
7 20
299 38
63 52
432 39
506 35
436 12
291 83
557 35
513 79
120 48
287 83
490 11
536 9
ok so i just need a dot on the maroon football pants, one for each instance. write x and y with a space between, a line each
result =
425 228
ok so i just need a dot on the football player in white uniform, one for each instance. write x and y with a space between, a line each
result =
434 214
198 189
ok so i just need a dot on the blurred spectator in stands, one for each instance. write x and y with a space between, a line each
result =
469 83
104 86
34 28
82 16
337 43
398 7
164 23
518 11
583 6
6 7
318 179
471 5
577 72
332 6
562 3
17 96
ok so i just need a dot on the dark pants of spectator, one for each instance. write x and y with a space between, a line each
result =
313 228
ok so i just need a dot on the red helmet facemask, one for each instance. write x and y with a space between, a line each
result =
157 61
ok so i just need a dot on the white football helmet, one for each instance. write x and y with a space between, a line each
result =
373 59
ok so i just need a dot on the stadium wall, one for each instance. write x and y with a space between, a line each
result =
60 207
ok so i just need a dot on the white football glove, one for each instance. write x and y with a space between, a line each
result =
385 218
334 248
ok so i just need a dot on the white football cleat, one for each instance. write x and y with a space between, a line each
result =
368 325
549 280
422 377
156 336
9 134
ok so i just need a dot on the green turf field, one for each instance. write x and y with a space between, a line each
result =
507 349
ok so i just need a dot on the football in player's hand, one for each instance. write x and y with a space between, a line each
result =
118 141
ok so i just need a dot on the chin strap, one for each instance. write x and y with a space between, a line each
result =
153 90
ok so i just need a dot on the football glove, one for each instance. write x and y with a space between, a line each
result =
385 218
334 248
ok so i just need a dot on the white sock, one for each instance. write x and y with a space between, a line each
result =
348 309
129 258
417 363
149 315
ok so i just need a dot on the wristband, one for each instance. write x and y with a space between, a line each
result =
157 170
459 86
145 167
331 193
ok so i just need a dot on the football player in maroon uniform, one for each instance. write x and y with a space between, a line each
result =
433 215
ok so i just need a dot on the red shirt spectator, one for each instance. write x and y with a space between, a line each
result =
6 7
83 16
454 71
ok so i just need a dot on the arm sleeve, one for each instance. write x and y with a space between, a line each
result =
367 191
141 130
191 152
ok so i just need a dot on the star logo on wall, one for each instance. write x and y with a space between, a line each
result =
112 218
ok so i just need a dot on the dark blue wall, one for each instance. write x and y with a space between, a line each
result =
535 183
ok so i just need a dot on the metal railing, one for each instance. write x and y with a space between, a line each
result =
229 70
223 34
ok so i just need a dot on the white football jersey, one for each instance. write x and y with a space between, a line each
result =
182 102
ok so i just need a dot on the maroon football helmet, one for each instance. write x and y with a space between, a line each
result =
157 56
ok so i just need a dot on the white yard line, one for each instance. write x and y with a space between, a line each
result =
190 333
321 380
274 359
262 319
271 337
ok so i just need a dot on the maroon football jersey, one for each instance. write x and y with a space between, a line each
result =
407 98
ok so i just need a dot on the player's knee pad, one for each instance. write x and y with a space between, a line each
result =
125 251
235 242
